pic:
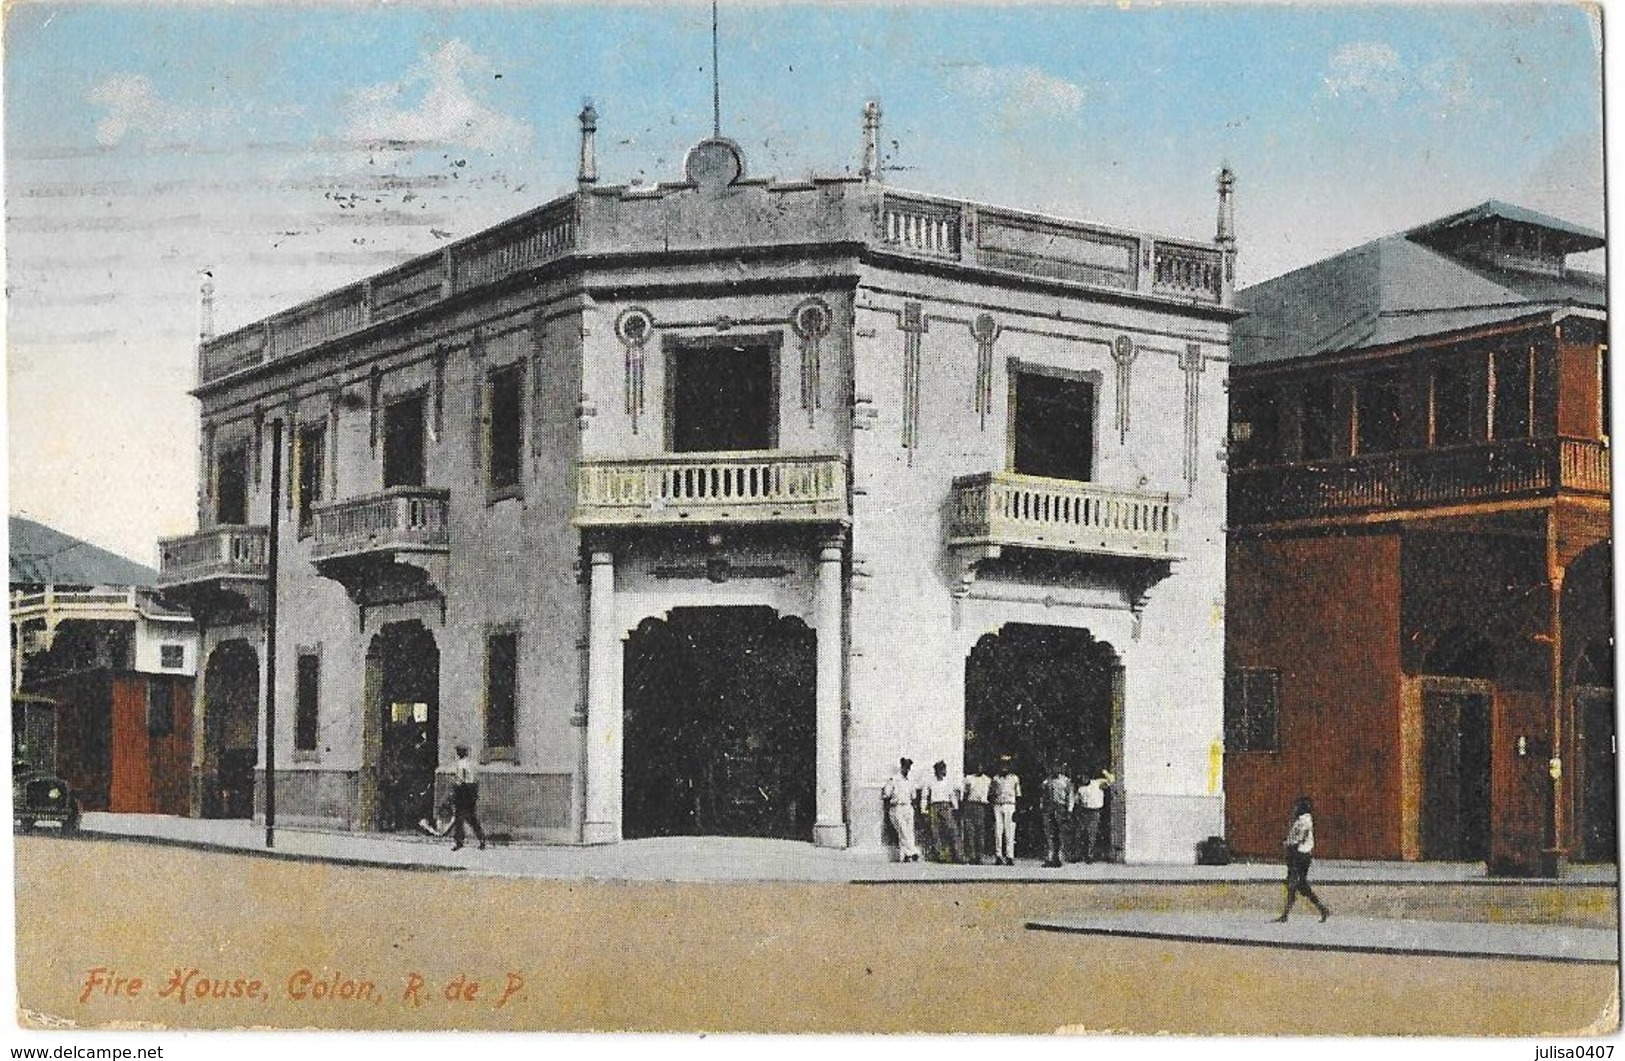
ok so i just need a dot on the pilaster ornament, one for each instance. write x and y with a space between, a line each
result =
375 386
811 321
539 340
439 391
1123 354
259 444
633 328
291 460
334 401
913 325
984 329
1192 364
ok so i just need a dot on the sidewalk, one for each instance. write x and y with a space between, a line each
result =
741 859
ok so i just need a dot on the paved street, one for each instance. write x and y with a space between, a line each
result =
307 943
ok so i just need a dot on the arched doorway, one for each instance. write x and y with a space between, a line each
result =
1594 712
231 682
1457 698
1041 695
719 735
403 677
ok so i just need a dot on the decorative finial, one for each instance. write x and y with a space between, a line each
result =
205 307
1226 236
589 132
871 141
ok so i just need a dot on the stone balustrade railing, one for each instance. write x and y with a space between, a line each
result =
219 552
1007 509
746 487
399 518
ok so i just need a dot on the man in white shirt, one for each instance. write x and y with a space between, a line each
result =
941 800
1091 801
465 797
898 795
1002 794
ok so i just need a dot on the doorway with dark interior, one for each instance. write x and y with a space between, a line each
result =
719 736
722 396
1044 695
231 715
403 664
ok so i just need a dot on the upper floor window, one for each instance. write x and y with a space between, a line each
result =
1391 413
1252 710
312 457
1511 385
231 486
505 433
1321 425
171 657
404 442
1255 428
1457 388
1053 427
722 396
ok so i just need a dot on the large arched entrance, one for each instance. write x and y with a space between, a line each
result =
719 734
403 738
1042 695
1457 700
231 682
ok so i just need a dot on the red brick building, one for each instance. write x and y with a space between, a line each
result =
1420 632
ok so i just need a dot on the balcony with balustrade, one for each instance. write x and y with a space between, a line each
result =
1403 485
676 489
995 511
216 574
388 547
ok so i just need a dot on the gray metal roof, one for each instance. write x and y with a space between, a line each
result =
41 555
1396 289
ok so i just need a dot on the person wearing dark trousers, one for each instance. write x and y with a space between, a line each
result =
1056 799
465 798
941 799
975 816
1299 843
1091 802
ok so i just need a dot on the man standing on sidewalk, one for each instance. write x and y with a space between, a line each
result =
1091 801
465 798
1003 792
898 795
975 824
941 801
1055 801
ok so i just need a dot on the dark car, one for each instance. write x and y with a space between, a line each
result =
40 796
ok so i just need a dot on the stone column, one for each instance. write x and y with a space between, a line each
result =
830 830
602 821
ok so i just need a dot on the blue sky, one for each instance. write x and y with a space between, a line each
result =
144 143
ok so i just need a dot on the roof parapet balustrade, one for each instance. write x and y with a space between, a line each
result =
757 487
388 547
216 573
1478 473
994 510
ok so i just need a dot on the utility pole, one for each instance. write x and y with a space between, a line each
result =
273 547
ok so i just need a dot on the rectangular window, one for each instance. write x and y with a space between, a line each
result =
722 397
160 709
1455 384
1255 427
172 657
306 697
1512 395
403 442
1054 427
506 431
1389 414
501 688
231 487
312 472
1251 710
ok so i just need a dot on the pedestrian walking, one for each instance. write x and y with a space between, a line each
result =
465 798
1055 800
1091 803
941 801
1002 794
898 795
975 816
1299 843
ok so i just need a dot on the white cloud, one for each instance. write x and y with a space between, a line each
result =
1369 67
447 113
134 108
1024 89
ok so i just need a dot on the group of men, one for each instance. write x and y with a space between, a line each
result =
962 818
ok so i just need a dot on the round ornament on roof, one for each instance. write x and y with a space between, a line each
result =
714 163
